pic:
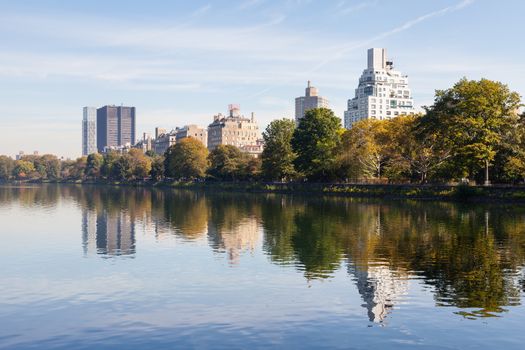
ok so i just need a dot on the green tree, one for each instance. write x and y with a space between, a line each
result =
228 162
278 155
7 165
253 167
122 168
474 117
157 168
316 141
150 153
94 165
186 159
109 161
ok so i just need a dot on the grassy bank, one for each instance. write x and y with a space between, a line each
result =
495 193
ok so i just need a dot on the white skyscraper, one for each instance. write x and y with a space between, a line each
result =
383 92
311 100
89 131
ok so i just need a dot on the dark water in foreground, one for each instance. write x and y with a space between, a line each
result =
111 268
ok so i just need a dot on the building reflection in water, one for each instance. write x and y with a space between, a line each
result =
108 233
235 239
380 288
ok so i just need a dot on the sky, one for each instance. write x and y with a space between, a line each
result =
181 62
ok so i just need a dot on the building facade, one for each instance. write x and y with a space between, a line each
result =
115 127
382 93
163 140
194 131
310 100
145 144
89 131
234 129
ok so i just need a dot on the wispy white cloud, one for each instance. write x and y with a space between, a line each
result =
342 8
403 27
340 52
249 4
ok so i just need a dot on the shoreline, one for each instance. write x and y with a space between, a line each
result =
427 192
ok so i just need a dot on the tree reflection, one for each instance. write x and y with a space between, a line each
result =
472 256
187 213
233 226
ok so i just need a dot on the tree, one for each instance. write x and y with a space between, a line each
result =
7 165
109 161
422 153
23 169
94 165
186 159
364 152
278 155
150 153
228 162
122 168
252 168
51 165
140 163
474 117
316 141
157 167
74 169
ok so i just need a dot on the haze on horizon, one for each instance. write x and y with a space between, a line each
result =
183 62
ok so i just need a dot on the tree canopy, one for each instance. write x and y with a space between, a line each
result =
186 159
316 141
278 155
475 117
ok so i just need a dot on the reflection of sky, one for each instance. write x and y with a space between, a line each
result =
184 292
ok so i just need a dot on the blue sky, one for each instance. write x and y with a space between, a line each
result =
181 62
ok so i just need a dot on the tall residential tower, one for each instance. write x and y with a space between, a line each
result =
311 100
382 93
89 131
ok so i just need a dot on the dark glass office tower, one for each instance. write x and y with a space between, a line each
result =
115 126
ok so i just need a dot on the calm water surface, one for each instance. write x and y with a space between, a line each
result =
109 268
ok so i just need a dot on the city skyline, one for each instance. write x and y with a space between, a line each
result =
177 65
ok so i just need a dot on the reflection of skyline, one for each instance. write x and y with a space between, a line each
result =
235 239
379 287
442 242
108 233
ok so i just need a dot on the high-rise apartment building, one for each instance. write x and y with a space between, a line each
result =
234 129
310 100
382 93
89 131
115 127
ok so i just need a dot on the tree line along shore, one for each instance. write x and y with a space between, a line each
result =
473 134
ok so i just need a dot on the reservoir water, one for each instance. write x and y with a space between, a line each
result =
125 268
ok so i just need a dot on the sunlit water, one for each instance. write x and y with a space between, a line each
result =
107 268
